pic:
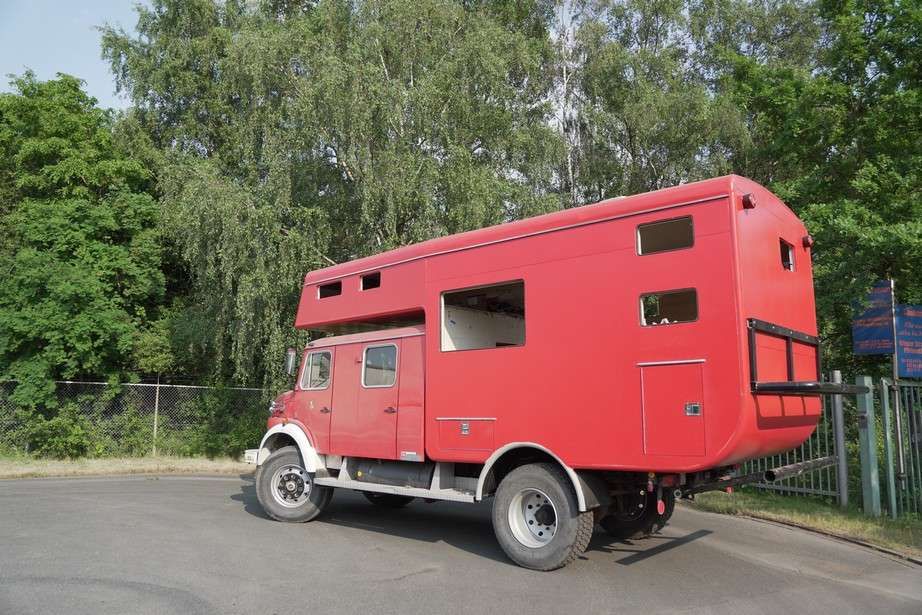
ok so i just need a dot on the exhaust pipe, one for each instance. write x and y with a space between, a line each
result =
769 476
796 469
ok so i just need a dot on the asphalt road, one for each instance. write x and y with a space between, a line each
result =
184 545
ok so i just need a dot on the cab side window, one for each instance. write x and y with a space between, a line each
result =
316 374
379 366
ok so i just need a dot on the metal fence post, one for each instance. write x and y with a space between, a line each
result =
838 425
867 446
888 446
156 412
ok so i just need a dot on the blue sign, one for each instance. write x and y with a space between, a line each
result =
909 341
872 330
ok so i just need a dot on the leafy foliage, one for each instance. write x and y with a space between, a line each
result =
313 132
269 138
80 253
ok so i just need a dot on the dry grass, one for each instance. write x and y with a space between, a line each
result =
24 467
901 535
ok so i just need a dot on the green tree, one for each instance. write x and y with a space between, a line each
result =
80 256
645 117
840 140
301 133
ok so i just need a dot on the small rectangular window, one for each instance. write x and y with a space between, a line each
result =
380 369
329 290
484 317
316 374
665 235
787 255
669 307
372 280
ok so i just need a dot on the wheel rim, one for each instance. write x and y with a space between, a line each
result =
291 486
532 518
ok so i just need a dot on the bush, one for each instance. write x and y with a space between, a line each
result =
66 435
125 434
224 427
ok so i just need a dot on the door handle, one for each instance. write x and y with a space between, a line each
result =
390 410
325 410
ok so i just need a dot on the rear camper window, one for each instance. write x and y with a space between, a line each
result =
787 255
316 374
484 317
666 235
669 307
380 368
329 290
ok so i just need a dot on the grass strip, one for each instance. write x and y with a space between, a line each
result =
27 467
903 535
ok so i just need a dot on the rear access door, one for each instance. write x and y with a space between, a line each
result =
374 384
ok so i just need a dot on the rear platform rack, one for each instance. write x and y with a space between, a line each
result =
791 386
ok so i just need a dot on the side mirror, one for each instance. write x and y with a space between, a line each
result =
291 356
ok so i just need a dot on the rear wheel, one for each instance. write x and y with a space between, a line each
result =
537 520
636 516
287 491
387 500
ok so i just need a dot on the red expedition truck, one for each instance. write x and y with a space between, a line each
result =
581 367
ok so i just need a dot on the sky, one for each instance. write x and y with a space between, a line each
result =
53 37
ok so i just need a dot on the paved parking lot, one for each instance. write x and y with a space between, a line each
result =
194 545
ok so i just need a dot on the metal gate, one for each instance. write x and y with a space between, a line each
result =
823 443
901 420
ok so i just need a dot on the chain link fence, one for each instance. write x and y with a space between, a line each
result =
100 419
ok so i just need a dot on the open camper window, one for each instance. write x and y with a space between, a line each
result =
484 317
669 307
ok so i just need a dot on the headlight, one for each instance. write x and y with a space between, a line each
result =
276 407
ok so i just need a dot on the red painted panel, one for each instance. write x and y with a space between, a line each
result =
466 435
346 424
411 399
667 389
314 408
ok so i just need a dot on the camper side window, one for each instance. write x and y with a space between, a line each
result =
665 235
484 317
316 375
669 307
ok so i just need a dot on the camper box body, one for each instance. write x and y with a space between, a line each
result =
631 335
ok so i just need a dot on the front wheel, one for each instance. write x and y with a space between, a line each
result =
537 520
285 489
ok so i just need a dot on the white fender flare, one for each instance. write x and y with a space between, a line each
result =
309 454
488 465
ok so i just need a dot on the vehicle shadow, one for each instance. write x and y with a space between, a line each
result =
467 527
643 548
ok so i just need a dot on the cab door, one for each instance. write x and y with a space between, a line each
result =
315 395
365 400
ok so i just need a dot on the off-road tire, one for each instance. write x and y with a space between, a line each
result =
387 500
573 528
317 500
648 523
